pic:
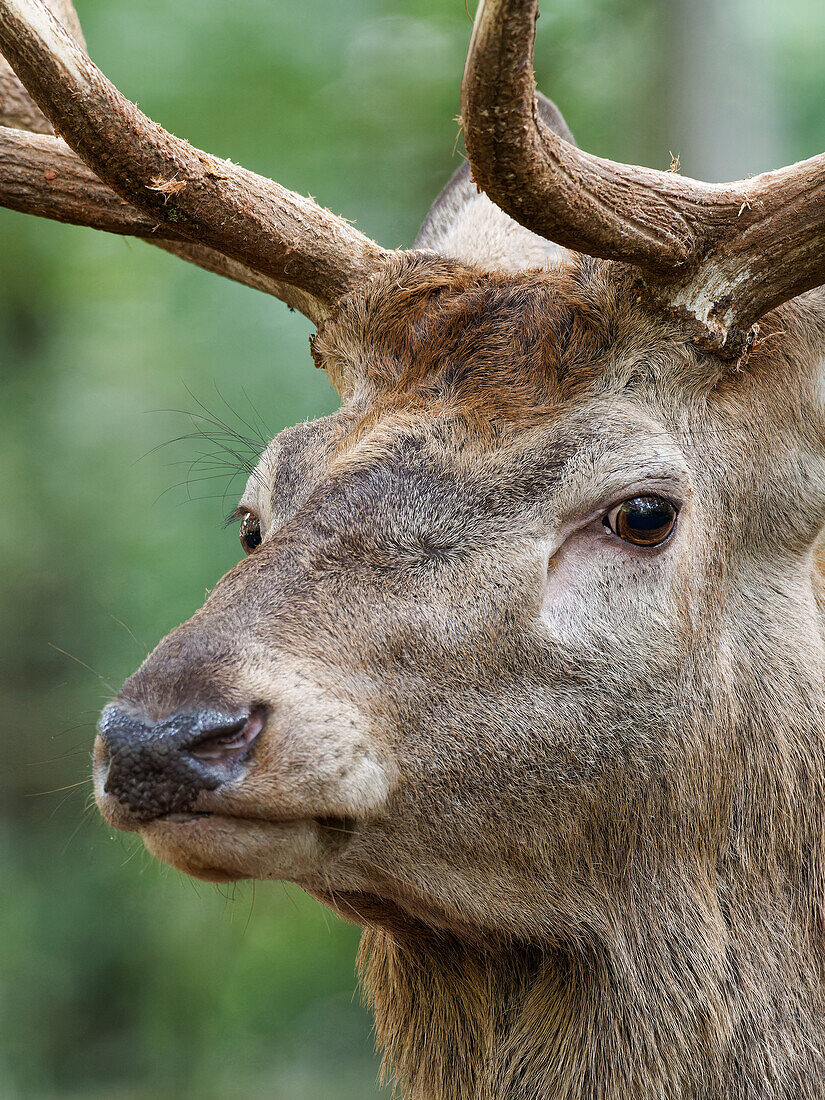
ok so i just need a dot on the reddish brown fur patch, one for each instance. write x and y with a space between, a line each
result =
493 348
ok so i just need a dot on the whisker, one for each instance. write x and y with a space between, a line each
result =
235 413
57 790
80 751
251 907
215 419
136 847
267 432
223 450
61 804
83 821
194 481
83 664
289 897
131 633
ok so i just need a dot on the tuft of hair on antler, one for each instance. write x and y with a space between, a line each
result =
129 175
708 254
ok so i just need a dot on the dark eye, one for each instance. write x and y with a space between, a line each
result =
644 521
250 532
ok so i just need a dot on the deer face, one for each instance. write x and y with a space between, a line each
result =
527 650
460 659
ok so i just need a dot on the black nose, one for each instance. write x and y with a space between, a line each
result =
161 768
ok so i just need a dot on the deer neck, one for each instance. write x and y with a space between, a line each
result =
460 1023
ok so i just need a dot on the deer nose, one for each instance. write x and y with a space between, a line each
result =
160 768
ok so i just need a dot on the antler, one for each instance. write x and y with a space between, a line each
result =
16 106
718 255
207 210
41 175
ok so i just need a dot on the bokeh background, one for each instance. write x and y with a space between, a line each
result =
134 389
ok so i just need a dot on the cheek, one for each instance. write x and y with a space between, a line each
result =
597 590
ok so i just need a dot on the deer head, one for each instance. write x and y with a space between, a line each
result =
523 667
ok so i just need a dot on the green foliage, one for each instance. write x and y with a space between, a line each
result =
119 978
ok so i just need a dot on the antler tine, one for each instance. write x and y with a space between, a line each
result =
216 205
706 252
545 183
17 108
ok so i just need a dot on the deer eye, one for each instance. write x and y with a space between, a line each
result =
250 532
644 521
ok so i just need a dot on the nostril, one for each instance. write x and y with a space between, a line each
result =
231 741
161 768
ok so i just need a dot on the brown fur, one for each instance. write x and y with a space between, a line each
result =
594 869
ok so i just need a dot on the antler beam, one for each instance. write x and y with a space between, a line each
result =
211 205
42 176
707 252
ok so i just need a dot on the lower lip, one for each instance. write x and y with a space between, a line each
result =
194 817
339 826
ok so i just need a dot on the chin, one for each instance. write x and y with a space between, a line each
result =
219 848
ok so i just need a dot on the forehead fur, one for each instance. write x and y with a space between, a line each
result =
497 348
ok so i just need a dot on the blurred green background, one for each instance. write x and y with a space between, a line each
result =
119 978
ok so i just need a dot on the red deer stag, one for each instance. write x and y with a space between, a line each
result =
525 668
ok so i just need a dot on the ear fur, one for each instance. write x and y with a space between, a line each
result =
463 224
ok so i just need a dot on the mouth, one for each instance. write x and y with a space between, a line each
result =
218 847
342 827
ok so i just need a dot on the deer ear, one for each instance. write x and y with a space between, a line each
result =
463 224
